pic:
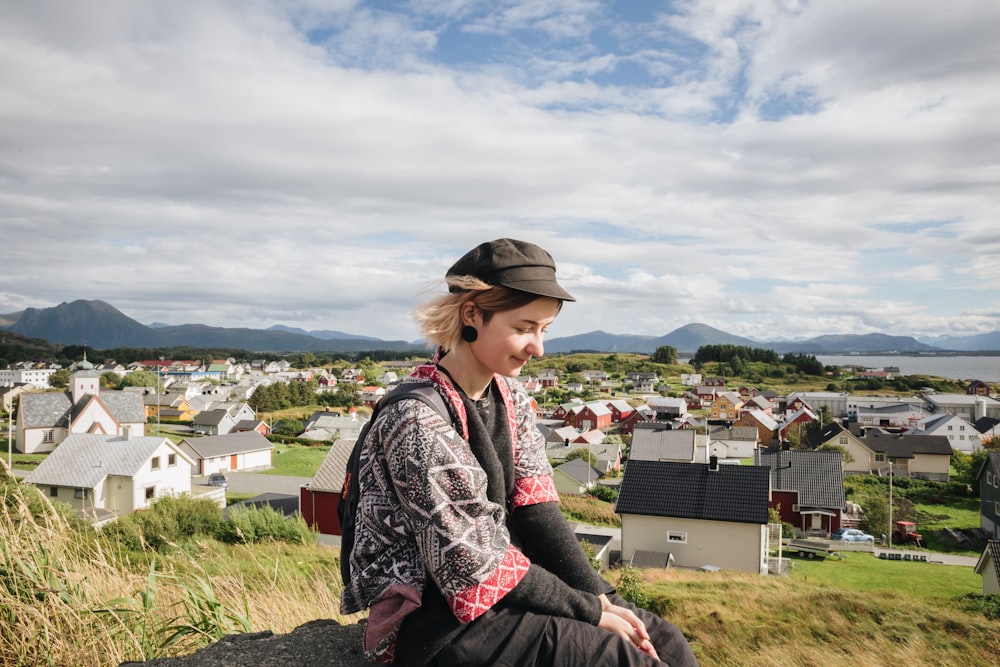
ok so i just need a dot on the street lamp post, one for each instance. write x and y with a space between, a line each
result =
889 534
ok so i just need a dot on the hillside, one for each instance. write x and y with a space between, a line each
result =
99 325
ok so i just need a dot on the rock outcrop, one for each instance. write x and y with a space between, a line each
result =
320 643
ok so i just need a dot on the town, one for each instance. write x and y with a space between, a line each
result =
698 468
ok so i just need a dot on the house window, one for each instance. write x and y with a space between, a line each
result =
150 492
949 427
80 494
677 537
171 460
53 491
155 463
879 458
842 440
49 436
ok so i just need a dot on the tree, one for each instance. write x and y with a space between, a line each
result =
288 426
665 354
59 379
875 504
140 379
582 453
968 465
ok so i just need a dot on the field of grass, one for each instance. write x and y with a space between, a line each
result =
98 604
745 620
296 460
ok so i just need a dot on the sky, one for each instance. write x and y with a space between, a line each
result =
774 169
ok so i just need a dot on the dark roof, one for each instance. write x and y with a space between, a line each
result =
287 505
693 491
817 476
984 424
992 460
906 446
825 435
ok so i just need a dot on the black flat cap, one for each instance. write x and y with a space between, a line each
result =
515 264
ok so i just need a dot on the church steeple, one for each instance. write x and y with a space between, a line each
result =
85 365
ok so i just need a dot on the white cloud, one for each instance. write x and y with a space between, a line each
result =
319 164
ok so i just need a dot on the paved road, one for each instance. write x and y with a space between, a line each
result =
251 482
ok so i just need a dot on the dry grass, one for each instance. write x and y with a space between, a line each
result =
83 602
742 620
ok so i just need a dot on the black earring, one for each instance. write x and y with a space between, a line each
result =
469 333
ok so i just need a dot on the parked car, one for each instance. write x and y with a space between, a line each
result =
217 479
851 535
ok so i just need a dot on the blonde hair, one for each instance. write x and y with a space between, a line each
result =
440 319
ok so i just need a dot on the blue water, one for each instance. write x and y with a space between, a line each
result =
983 368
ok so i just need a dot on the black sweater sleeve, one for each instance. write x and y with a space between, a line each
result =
545 536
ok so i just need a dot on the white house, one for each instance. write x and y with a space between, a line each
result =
111 475
962 436
46 419
244 450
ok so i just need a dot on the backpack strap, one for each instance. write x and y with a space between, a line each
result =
423 391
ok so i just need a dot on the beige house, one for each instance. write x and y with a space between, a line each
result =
859 458
701 515
105 476
919 456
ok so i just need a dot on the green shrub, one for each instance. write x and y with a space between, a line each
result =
247 525
630 587
605 493
986 604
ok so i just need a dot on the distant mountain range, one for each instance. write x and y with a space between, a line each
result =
99 325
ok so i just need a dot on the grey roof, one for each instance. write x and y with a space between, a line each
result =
735 433
817 476
210 417
55 408
47 409
665 445
82 460
330 476
210 446
694 491
642 558
580 470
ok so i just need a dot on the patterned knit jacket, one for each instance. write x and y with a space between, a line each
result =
423 507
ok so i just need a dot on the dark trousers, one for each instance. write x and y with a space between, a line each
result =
512 637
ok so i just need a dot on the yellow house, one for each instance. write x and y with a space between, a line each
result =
726 406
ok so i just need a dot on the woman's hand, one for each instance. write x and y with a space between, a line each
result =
623 621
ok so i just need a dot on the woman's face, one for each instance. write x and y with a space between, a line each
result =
512 337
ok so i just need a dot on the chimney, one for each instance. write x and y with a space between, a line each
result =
127 432
713 463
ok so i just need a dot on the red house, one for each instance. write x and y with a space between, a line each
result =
589 416
320 498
